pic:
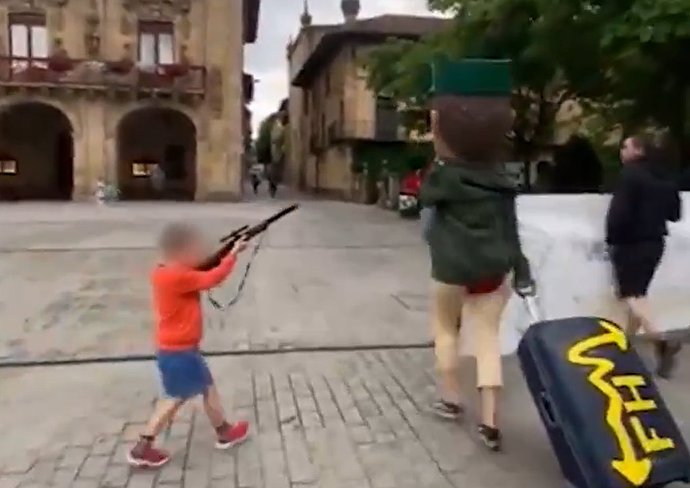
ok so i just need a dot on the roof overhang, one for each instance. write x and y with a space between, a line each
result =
251 20
329 46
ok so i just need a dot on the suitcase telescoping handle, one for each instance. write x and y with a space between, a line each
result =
533 309
534 312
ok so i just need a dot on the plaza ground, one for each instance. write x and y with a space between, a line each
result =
334 275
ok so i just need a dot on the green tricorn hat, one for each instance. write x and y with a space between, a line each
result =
471 77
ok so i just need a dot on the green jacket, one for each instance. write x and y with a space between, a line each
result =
474 234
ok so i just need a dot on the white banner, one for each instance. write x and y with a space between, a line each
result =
563 237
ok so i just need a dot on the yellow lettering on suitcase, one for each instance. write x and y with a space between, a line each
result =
633 383
635 470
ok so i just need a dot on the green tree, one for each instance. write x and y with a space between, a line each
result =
496 29
627 59
263 141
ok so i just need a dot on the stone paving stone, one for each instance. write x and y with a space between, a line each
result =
94 467
74 457
10 481
275 471
18 463
395 445
287 410
299 463
41 472
116 476
344 400
104 446
143 479
224 466
120 454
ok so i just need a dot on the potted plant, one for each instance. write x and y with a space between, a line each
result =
179 69
59 60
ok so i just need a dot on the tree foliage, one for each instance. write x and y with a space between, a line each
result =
626 59
263 141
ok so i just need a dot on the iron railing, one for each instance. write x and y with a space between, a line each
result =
368 130
82 73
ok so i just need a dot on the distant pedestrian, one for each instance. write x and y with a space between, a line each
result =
544 183
644 200
183 370
273 177
256 181
101 189
158 178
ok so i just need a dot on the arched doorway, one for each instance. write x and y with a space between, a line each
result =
36 153
156 149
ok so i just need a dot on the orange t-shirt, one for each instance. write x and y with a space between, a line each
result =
177 304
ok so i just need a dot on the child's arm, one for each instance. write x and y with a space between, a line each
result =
190 280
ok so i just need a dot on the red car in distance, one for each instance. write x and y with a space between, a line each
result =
408 199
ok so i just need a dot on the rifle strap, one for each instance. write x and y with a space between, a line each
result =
240 288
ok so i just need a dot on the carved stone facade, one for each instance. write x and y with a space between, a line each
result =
93 74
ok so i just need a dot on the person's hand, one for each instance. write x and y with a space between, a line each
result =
239 246
525 288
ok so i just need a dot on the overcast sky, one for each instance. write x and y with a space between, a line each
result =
279 20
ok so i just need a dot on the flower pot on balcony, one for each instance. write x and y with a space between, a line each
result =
175 70
60 63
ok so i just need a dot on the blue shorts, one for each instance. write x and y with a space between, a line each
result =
184 374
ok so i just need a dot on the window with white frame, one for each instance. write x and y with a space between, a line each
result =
156 43
28 37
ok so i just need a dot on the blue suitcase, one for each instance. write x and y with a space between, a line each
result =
607 423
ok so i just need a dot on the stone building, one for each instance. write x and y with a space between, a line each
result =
336 121
109 89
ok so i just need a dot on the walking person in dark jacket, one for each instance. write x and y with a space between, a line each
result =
644 200
472 230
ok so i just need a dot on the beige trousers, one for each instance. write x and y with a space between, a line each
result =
451 307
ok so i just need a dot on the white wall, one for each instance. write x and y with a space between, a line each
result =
563 236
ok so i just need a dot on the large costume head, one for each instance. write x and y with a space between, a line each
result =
471 114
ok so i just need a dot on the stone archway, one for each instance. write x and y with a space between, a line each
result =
156 153
36 152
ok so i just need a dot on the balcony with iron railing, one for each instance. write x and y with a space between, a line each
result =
366 130
101 75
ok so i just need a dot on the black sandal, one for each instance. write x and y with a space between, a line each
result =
490 437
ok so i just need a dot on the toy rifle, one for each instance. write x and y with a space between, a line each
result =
246 232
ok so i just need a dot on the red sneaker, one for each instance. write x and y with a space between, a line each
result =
144 455
235 434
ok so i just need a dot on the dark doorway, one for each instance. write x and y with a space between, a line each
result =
174 163
38 149
152 141
64 158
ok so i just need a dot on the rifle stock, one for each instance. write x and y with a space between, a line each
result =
228 241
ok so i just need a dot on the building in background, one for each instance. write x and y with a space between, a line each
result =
96 89
336 121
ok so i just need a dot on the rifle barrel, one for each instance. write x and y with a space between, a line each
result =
234 233
251 231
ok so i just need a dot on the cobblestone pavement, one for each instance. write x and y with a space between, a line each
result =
340 420
73 285
330 274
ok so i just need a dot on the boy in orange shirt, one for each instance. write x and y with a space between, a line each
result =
184 373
